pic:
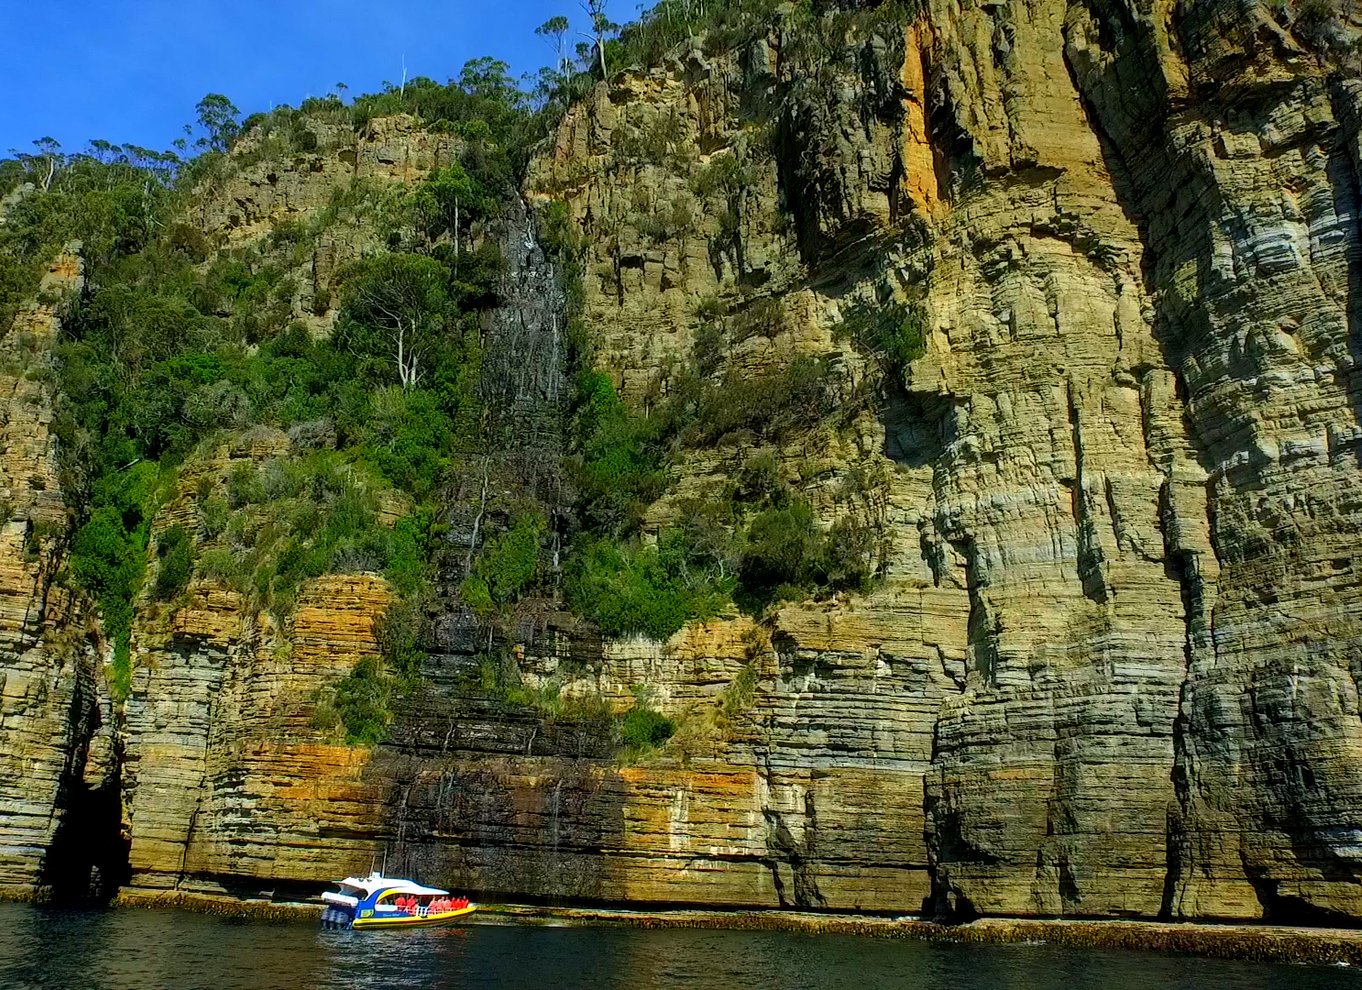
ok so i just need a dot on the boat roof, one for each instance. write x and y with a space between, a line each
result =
376 882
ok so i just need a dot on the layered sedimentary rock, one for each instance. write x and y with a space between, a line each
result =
1062 463
267 187
1241 162
262 189
794 790
228 783
1136 397
1023 658
1110 665
58 758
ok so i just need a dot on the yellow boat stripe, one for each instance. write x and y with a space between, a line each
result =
411 919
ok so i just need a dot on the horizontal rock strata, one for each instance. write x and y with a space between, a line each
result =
56 740
1110 667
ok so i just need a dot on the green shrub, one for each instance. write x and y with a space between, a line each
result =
620 464
477 596
893 332
1312 13
710 347
408 437
407 566
847 556
638 591
362 701
311 515
498 677
219 564
40 531
399 641
120 685
244 486
108 552
557 233
214 515
18 281
782 550
738 695
175 549
768 405
509 561
644 728
761 481
450 201
708 538
762 317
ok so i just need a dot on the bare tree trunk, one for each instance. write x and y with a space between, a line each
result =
408 356
413 371
595 10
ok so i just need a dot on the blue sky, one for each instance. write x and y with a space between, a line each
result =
131 71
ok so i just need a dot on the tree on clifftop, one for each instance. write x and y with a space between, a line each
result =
43 166
218 118
601 26
554 32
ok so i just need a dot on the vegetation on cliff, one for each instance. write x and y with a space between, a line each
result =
182 342
176 341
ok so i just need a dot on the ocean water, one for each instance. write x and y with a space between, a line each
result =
128 949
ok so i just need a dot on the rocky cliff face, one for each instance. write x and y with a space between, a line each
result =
1110 666
58 753
1117 481
349 176
230 787
1246 187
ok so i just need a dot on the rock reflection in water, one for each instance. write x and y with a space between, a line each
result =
179 951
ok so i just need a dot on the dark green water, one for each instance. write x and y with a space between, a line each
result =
128 949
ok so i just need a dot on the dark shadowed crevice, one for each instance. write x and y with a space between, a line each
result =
1345 175
88 859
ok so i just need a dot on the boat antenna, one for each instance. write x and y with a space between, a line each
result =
384 871
371 863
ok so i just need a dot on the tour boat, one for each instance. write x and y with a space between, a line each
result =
377 901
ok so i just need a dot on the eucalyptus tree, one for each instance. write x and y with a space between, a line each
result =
554 31
396 314
601 28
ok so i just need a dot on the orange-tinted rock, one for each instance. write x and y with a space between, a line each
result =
55 732
229 784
